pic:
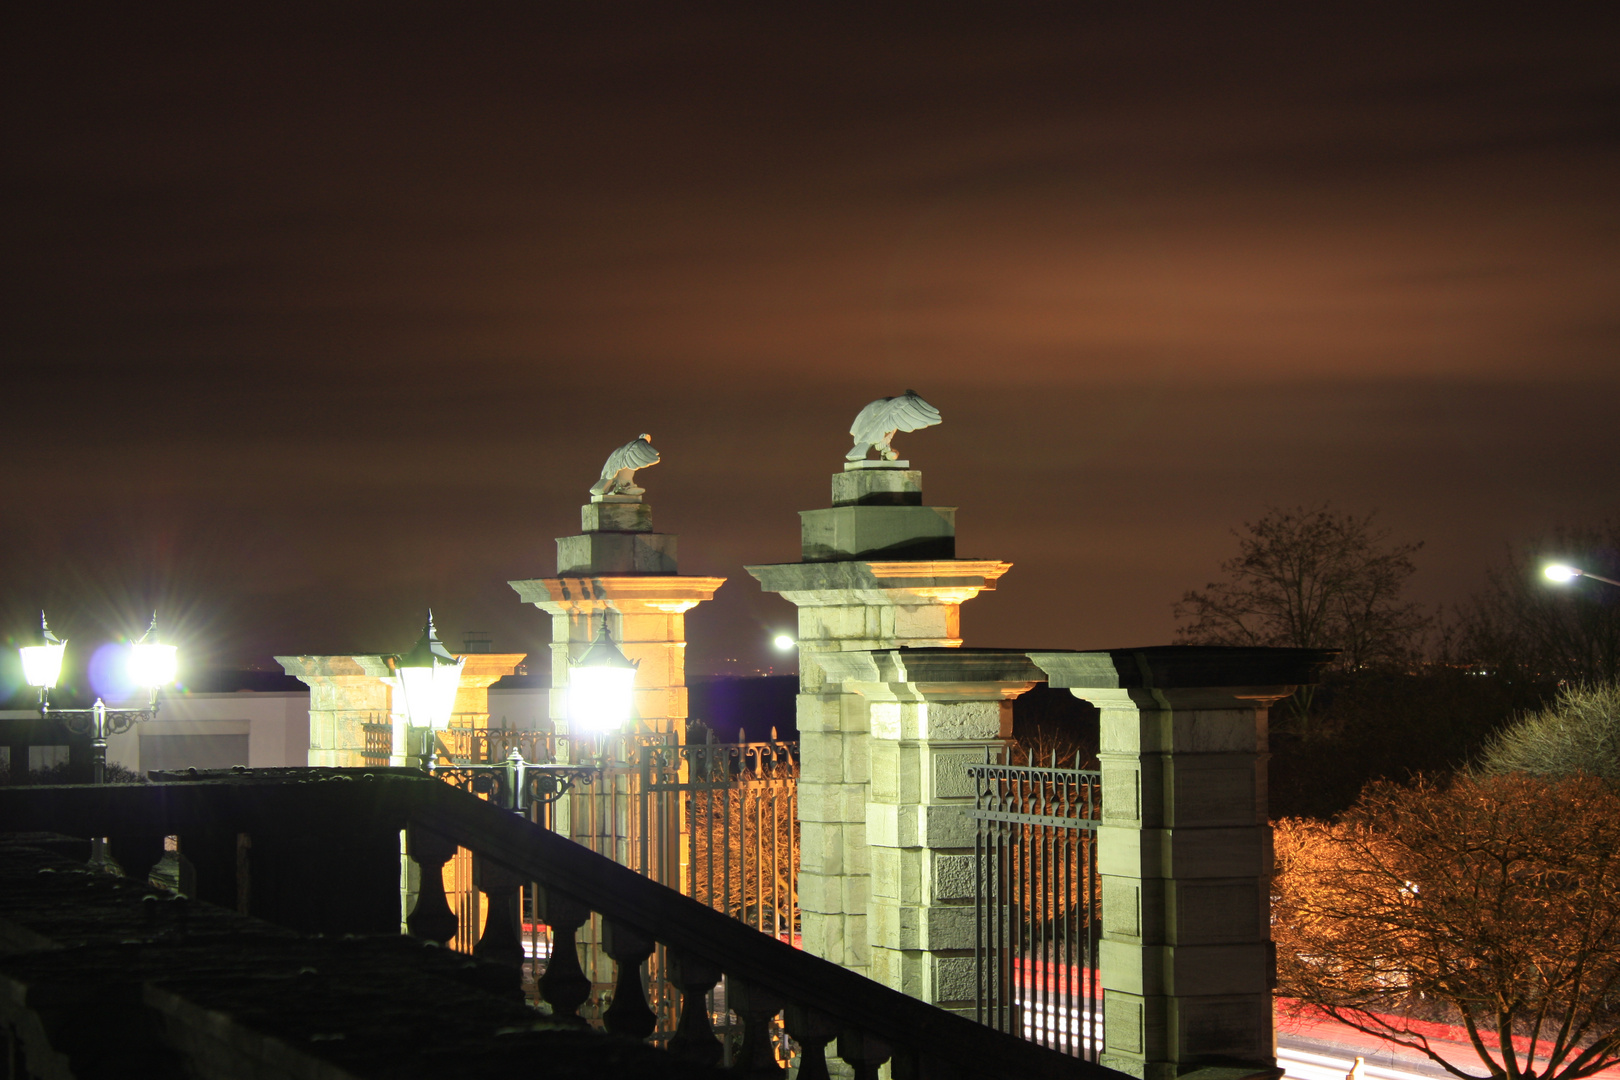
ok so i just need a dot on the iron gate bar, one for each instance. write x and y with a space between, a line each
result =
1035 881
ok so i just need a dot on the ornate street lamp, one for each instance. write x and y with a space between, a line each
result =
601 687
42 663
1561 573
151 664
428 678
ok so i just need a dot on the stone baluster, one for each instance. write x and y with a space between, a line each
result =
812 1031
502 939
756 1007
430 916
136 854
564 985
628 1014
863 1053
694 1035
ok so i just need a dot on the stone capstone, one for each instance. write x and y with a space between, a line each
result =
618 515
877 487
616 553
885 532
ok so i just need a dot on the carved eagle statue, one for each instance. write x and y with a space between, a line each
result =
878 422
619 474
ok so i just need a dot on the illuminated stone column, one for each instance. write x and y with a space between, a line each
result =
879 572
933 714
619 568
345 694
1184 851
348 692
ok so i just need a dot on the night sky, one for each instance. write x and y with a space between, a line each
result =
316 317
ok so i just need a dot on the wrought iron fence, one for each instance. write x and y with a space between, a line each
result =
378 731
740 834
1036 901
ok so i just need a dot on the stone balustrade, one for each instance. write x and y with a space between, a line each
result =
316 850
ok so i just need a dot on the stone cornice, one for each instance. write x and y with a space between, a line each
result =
933 674
484 669
1186 676
306 668
945 581
669 593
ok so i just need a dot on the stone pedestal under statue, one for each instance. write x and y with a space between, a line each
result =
878 572
617 570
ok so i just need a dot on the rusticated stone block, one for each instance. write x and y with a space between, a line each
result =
955 980
948 773
1214 912
953 877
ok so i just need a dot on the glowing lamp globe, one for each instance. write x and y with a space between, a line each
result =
152 665
1559 572
427 678
42 663
783 642
601 687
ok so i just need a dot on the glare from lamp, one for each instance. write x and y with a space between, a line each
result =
152 665
42 664
1560 572
783 642
601 686
600 698
429 693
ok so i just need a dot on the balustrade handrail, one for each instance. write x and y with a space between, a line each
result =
925 1041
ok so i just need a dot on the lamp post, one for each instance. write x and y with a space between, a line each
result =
1563 573
151 664
428 678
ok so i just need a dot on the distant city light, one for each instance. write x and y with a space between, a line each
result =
783 642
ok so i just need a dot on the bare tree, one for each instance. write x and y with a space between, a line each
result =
1493 905
1577 733
1311 578
1525 627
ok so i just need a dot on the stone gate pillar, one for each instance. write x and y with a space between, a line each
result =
345 694
348 692
1184 851
879 571
933 713
618 568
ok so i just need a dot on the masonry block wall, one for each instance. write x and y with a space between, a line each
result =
932 713
1184 849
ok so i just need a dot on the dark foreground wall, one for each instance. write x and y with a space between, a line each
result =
102 976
